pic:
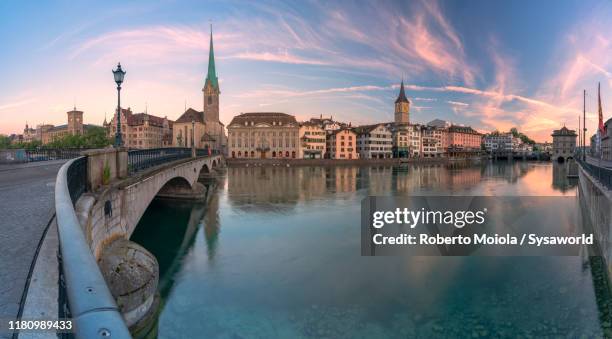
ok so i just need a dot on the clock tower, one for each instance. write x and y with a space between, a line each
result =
402 107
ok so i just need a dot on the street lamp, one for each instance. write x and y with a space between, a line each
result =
118 74
192 132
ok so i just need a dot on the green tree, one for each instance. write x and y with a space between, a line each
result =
5 142
95 137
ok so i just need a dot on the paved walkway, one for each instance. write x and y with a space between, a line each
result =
26 207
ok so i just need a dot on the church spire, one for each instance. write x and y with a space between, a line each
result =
212 73
402 95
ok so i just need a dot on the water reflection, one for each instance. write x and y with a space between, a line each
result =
276 254
560 180
278 188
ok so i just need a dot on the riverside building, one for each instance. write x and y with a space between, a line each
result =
463 141
564 143
263 135
140 130
342 144
374 141
312 141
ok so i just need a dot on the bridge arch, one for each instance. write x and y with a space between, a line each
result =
205 169
174 181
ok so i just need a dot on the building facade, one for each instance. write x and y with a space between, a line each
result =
501 143
342 144
433 142
141 130
190 130
46 133
312 141
263 135
564 144
374 142
463 141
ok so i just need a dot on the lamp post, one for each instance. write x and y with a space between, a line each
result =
118 74
192 132
193 150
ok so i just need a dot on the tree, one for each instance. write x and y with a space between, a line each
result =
5 142
525 139
95 137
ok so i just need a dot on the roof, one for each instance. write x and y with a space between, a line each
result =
263 117
342 130
366 128
140 118
564 132
402 95
211 77
462 129
191 115
58 128
311 124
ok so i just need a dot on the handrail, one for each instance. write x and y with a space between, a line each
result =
602 174
94 311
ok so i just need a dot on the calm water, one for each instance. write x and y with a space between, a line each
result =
277 255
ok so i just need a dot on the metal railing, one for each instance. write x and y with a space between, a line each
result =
602 174
142 159
91 305
46 154
139 160
202 152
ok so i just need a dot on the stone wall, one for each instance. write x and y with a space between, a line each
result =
595 202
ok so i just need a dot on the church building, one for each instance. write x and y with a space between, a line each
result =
203 128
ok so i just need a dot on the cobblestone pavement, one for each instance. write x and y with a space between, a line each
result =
26 206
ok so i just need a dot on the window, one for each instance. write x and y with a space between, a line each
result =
210 100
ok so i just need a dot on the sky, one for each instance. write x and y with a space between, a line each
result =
489 64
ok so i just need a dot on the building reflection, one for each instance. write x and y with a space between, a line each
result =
212 227
560 181
281 189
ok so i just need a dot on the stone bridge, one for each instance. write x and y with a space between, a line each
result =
118 188
113 211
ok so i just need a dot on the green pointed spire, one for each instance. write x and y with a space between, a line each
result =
212 73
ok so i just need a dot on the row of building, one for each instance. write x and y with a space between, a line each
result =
280 135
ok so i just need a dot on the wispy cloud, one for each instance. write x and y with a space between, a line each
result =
457 103
14 104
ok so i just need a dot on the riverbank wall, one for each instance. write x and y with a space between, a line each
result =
596 206
234 162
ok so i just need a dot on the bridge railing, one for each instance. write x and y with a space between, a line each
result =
91 305
142 159
45 154
139 160
200 152
602 174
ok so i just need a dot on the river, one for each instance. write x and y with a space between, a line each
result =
276 254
